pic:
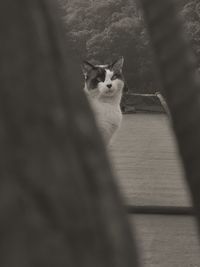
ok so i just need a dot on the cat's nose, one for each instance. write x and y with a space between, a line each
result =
109 85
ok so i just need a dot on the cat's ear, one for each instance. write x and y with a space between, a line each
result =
87 67
117 65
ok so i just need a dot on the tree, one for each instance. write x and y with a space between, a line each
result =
191 16
103 30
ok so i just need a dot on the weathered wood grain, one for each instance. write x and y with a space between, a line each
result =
150 173
148 167
167 241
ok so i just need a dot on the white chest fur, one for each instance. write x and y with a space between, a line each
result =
108 117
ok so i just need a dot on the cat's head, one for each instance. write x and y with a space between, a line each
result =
103 80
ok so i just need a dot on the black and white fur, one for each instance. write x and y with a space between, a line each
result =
103 86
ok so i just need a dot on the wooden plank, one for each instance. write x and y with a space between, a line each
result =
145 158
167 241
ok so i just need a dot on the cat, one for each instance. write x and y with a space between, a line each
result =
104 86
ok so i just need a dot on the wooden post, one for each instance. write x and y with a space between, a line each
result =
178 74
59 204
163 103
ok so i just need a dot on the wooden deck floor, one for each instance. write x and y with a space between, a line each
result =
149 172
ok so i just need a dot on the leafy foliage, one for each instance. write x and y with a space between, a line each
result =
191 15
102 30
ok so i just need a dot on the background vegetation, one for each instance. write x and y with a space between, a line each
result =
102 30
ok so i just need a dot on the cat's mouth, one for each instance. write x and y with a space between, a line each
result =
110 91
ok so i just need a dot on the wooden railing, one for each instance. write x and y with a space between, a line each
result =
157 95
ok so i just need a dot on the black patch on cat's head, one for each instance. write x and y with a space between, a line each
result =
87 67
96 73
117 65
93 74
118 75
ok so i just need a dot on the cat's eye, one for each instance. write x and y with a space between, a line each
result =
114 77
99 79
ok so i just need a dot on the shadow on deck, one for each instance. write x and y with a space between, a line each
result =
150 174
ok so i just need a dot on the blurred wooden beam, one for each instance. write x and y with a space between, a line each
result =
59 204
176 65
